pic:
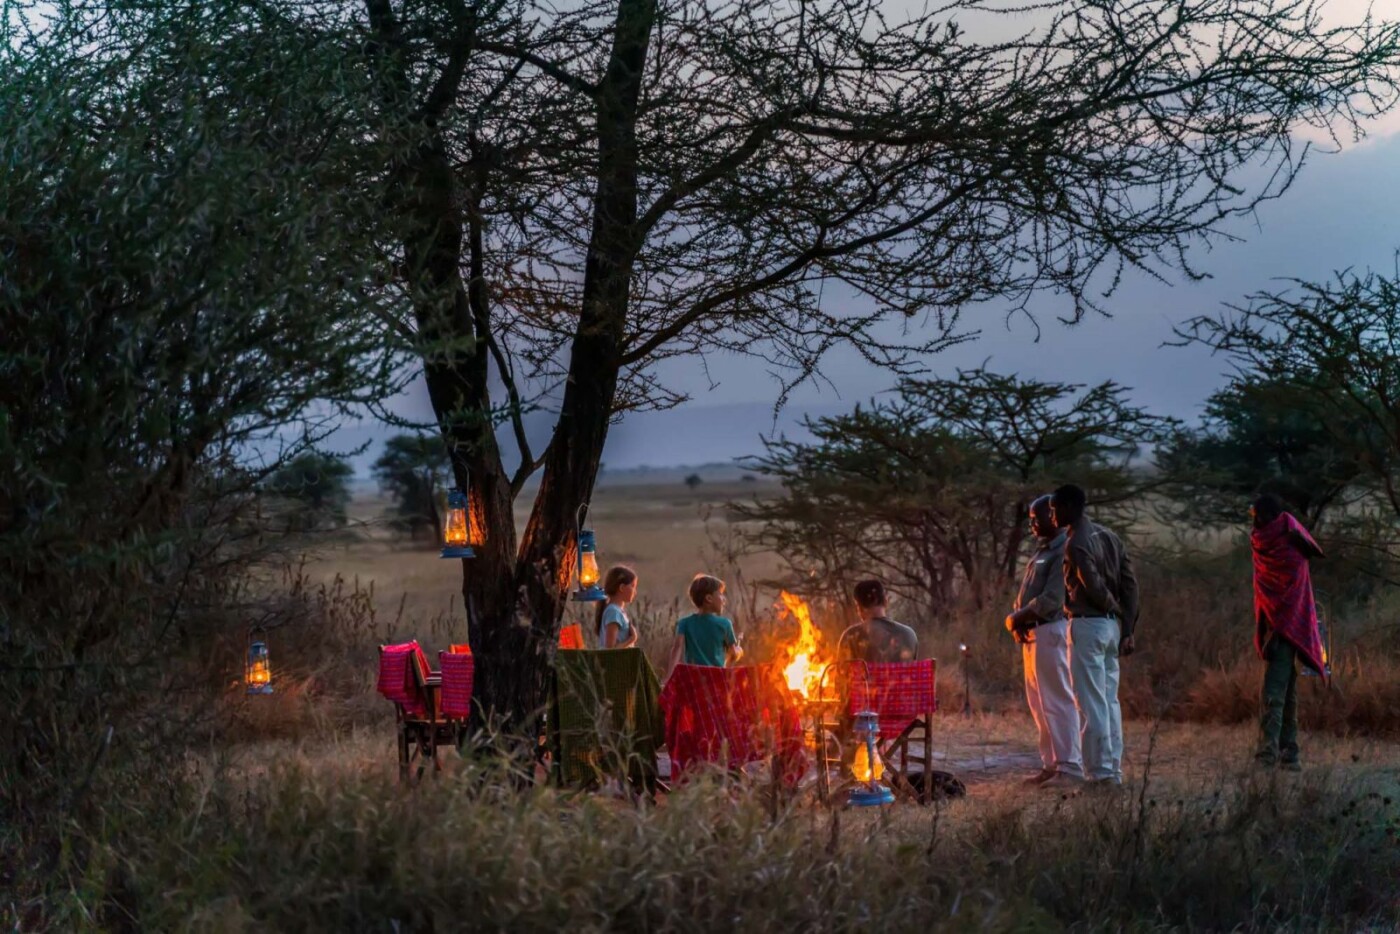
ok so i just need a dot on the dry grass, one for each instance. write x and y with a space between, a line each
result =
667 533
316 836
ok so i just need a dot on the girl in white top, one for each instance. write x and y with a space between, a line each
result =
615 629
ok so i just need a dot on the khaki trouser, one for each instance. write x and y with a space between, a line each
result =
1050 695
1094 668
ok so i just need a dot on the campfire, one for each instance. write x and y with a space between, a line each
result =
807 657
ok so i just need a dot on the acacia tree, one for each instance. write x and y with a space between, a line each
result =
412 470
588 191
1330 354
185 295
1255 437
932 489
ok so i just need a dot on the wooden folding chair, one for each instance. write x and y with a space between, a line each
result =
415 690
905 696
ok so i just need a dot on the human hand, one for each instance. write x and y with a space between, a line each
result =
1011 623
1126 647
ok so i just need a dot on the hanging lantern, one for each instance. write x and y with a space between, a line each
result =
588 589
868 768
456 535
257 670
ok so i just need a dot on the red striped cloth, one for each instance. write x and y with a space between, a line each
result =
899 692
729 715
1283 592
396 678
458 674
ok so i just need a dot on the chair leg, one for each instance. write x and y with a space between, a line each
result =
823 763
403 752
926 793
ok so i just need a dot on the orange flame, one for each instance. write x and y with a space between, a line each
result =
804 668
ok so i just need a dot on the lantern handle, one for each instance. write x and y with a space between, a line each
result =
258 628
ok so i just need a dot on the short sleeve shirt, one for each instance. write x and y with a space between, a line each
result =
706 637
879 640
614 614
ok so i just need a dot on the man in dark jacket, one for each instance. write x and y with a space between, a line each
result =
1038 622
1101 601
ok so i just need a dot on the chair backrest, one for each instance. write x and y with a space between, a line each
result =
715 714
403 672
458 675
900 692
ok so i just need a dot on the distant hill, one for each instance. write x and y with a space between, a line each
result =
655 447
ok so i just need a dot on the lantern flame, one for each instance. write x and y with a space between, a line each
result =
803 671
863 768
454 531
588 569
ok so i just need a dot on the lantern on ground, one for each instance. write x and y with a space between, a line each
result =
257 670
456 537
867 767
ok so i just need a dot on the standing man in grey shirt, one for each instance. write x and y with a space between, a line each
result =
1039 624
1101 601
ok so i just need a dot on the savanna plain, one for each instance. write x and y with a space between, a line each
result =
300 823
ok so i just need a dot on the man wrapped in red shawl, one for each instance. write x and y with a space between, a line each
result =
1285 625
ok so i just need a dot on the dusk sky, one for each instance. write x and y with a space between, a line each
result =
1344 211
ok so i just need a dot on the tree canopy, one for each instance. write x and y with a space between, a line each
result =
413 469
932 488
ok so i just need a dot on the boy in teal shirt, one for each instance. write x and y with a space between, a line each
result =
706 637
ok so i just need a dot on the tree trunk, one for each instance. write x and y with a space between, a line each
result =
518 637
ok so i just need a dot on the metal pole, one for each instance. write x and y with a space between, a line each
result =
967 681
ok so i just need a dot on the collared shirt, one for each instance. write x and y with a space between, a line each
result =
1099 578
1043 582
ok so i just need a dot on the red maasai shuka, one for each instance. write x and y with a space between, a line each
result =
396 678
728 715
1283 594
458 674
900 692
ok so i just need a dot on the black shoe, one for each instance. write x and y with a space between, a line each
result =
1040 778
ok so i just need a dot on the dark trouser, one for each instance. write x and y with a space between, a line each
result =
1278 716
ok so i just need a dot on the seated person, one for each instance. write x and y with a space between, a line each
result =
615 629
705 637
876 638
